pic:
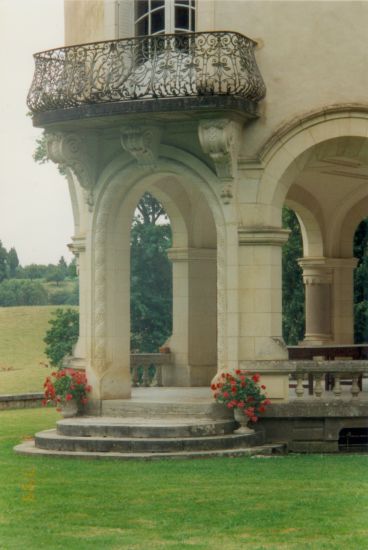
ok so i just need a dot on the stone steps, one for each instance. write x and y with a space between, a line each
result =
136 408
50 439
168 436
28 448
140 427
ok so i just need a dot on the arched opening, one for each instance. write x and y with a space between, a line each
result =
361 283
150 276
193 256
293 295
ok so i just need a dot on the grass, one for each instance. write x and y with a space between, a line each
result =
294 502
22 330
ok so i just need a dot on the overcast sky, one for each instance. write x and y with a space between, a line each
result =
35 210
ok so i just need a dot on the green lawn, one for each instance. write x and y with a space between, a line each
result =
22 330
294 502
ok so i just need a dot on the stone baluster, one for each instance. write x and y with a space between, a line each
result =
355 390
318 389
158 376
135 376
337 386
299 385
145 376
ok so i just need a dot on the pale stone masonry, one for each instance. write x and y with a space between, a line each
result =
223 173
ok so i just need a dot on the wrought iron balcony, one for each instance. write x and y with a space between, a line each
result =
151 67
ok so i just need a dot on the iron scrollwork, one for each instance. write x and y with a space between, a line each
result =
177 65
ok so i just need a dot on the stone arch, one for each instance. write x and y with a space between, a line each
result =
294 146
120 187
311 222
353 217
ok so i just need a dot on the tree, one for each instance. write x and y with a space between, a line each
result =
62 335
56 275
151 278
361 283
3 263
292 282
13 262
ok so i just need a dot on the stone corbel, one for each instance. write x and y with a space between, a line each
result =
142 142
220 139
79 153
77 247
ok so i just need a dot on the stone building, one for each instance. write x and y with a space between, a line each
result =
224 130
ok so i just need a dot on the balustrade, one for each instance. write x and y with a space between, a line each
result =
327 378
180 65
146 368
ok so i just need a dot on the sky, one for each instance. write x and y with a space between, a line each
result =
35 209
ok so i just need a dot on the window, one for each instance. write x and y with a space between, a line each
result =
164 16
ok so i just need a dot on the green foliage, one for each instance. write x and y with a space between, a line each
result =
361 283
151 278
68 297
13 262
292 282
35 271
3 263
62 335
15 292
56 275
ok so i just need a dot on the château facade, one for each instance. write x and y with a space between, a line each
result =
225 111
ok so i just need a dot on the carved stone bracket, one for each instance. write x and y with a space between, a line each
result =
220 138
77 247
79 153
142 142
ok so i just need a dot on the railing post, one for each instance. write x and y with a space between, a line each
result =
337 385
355 385
134 376
299 384
145 377
318 389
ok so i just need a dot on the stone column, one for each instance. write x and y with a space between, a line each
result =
193 341
260 305
260 293
317 277
78 247
343 299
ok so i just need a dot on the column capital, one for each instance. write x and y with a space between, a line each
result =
191 254
78 245
264 236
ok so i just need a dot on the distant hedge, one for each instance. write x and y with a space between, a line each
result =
15 292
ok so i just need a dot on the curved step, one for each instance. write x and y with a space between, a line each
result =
160 408
28 448
51 440
139 427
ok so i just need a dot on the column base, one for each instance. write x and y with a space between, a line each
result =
311 339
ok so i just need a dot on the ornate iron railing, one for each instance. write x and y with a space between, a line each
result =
180 65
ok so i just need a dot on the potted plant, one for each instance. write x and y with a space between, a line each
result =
68 390
241 392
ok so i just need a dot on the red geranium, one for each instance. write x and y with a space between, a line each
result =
241 390
65 385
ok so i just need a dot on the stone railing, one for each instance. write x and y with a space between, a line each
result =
146 368
337 380
327 378
161 66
